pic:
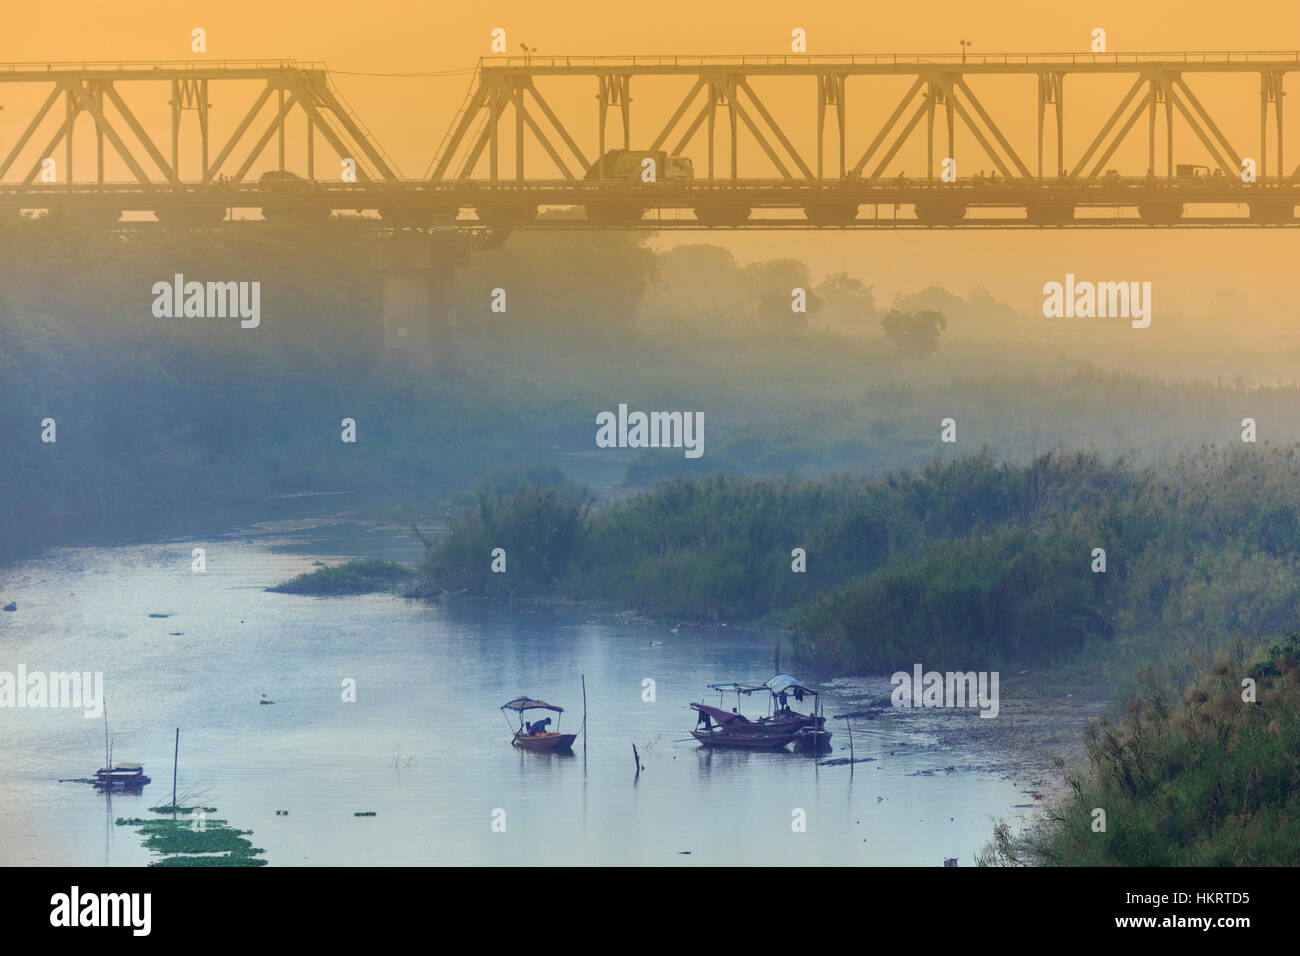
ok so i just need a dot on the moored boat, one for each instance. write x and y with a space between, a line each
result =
121 776
733 730
781 726
812 735
536 736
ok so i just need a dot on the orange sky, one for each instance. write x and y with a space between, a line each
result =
410 115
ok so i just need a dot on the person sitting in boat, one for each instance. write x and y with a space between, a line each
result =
783 703
539 727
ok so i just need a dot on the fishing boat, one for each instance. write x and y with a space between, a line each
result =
716 727
781 726
536 736
117 776
121 776
812 735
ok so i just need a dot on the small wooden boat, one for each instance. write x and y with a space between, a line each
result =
812 740
118 776
733 730
121 776
780 727
812 737
536 736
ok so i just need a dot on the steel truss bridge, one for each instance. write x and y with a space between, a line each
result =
515 146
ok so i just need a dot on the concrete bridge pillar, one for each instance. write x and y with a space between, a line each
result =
419 276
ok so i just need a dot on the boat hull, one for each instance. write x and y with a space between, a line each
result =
545 743
738 741
812 741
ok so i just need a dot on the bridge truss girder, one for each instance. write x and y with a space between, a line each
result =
295 91
938 90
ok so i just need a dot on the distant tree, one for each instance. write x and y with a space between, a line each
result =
784 274
932 297
774 308
772 282
914 333
847 303
697 278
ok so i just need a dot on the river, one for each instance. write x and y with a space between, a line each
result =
423 746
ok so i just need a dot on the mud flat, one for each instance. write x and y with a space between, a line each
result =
1040 722
1029 736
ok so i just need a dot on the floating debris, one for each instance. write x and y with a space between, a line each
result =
266 700
841 761
364 813
160 615
181 809
11 606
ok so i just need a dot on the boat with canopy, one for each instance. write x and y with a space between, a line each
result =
717 727
121 776
812 735
536 735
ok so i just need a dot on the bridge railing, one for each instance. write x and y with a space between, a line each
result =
143 66
533 61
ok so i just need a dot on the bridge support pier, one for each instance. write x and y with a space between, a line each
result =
419 276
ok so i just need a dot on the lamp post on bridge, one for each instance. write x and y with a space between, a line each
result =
964 45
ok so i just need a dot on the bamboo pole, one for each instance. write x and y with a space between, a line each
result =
584 714
107 767
849 728
176 755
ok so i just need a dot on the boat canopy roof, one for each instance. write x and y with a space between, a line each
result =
528 703
778 684
731 687
723 717
127 766
784 682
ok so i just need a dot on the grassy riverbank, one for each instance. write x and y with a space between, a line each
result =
1195 774
976 563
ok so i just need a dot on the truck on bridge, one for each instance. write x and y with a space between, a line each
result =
630 164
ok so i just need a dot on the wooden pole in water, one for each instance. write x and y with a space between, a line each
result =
107 768
636 757
584 713
176 754
849 727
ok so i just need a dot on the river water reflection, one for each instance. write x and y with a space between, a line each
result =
424 746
